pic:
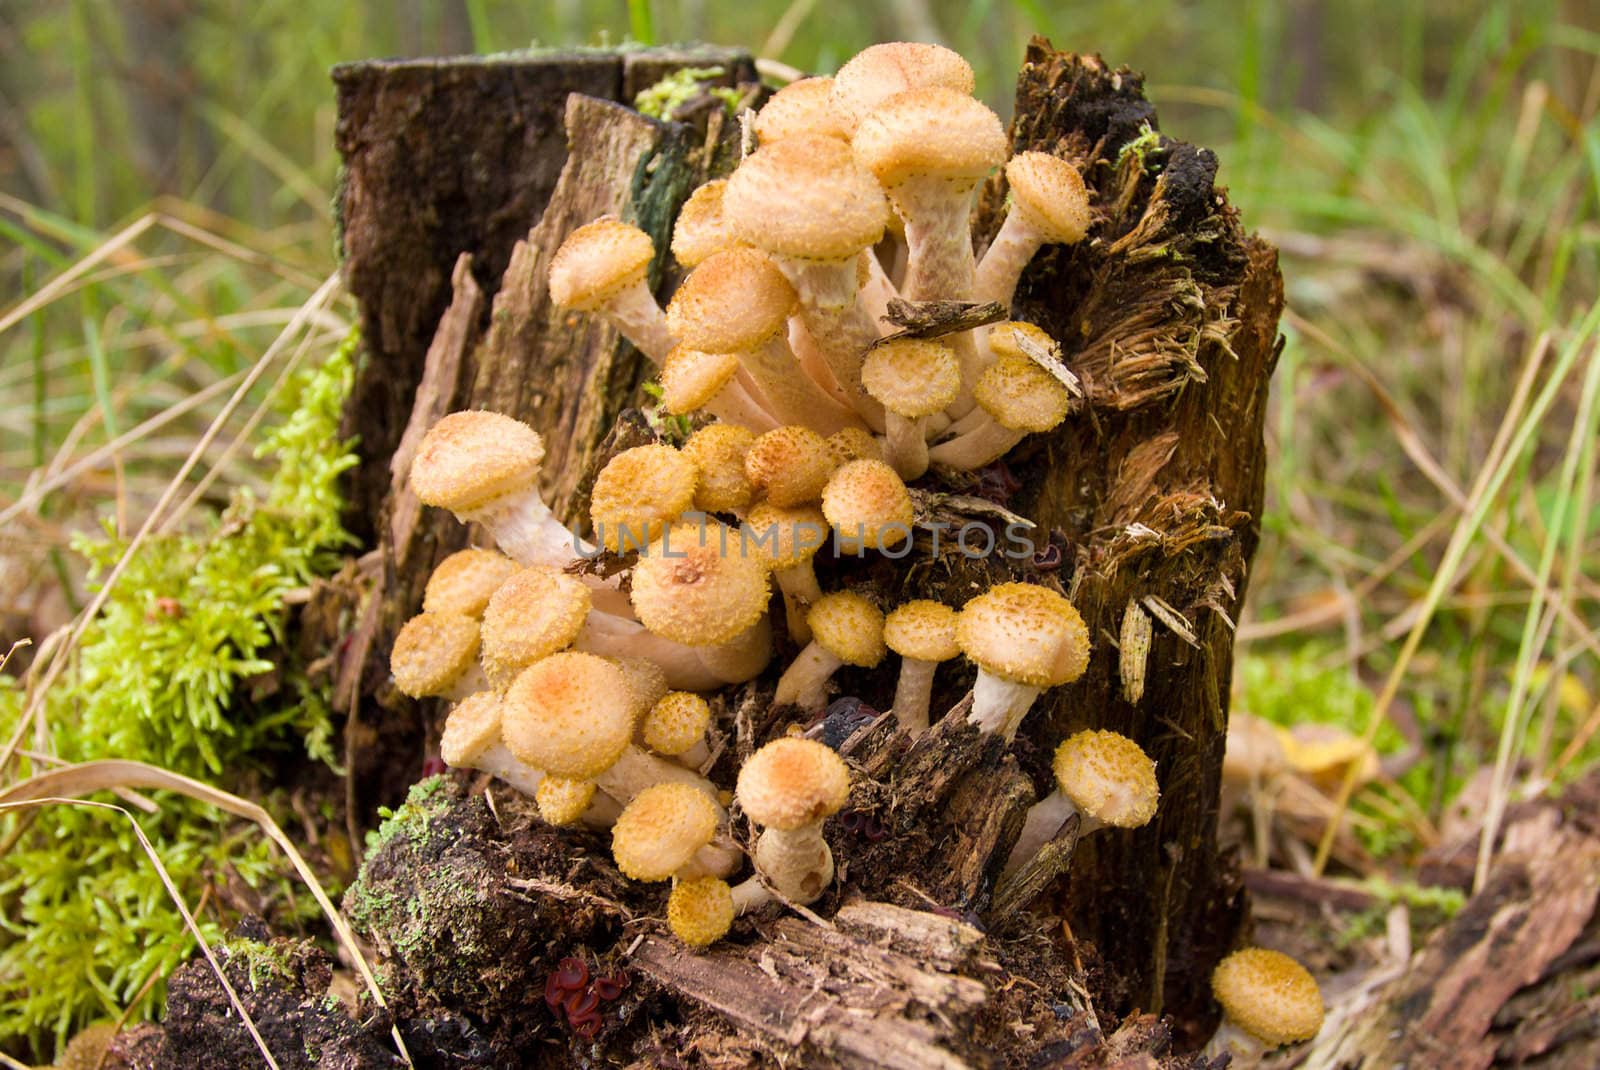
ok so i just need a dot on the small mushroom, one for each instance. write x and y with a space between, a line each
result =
671 830
1103 777
790 787
787 539
718 452
602 267
869 507
472 740
1049 206
535 613
464 581
676 726
923 633
801 107
700 910
846 629
1268 1000
638 493
1019 398
701 230
692 586
692 380
913 379
789 465
1023 638
436 655
880 71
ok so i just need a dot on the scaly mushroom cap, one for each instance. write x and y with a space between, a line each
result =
868 505
700 911
718 452
598 261
792 782
849 627
647 682
1021 396
931 133
686 590
677 722
776 534
854 444
638 493
802 107
535 613
1108 777
562 800
1024 633
1269 995
463 582
806 197
701 230
571 715
790 465
690 378
1050 193
922 630
881 71
731 303
660 830
1003 339
472 727
469 459
912 377
433 651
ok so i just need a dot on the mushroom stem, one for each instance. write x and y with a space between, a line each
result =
878 290
498 761
611 636
800 591
1044 820
906 444
472 681
741 658
636 770
982 445
939 235
1229 1039
737 403
997 273
838 320
805 683
527 531
999 705
796 862
790 394
750 895
913 693
719 858
636 316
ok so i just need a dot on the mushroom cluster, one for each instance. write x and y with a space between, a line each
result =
600 696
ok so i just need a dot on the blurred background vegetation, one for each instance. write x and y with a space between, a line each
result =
1429 168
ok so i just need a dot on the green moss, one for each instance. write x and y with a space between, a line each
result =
262 961
664 98
181 669
423 801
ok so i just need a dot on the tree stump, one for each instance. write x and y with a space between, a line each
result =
1150 496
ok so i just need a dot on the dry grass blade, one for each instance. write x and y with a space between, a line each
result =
111 774
49 799
56 286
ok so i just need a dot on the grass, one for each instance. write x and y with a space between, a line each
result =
1428 574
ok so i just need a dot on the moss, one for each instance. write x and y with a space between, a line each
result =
662 100
423 801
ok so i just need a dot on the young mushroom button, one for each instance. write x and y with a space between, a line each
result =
923 633
718 452
463 582
436 654
700 910
869 507
667 830
1103 777
471 740
846 629
1268 1000
790 787
638 493
789 465
913 379
1023 638
694 587
880 71
535 613
801 107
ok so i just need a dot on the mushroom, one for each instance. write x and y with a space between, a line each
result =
789 465
484 468
880 71
1268 1000
869 507
808 203
535 613
1005 340
563 800
700 229
471 740
436 655
670 830
1049 205
787 539
718 452
801 107
463 582
700 910
693 380
1103 777
602 267
1019 398
846 629
1023 638
913 378
638 493
854 444
738 301
923 633
676 726
790 787
694 587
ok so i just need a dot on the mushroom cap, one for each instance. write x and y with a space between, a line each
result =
638 493
868 505
1269 995
1109 777
433 651
931 133
718 452
598 261
1003 339
535 613
472 728
659 831
676 722
1254 749
912 377
1021 396
854 444
789 464
922 630
1025 633
685 588
774 534
792 782
562 800
647 682
463 582
806 197
876 73
571 714
731 302
1050 193
469 459
849 627
700 911
700 229
801 107
690 378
